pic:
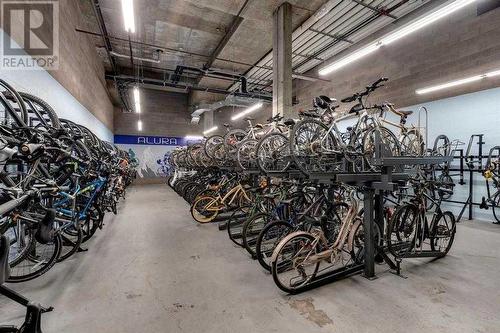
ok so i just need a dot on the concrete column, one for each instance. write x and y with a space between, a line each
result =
208 120
282 60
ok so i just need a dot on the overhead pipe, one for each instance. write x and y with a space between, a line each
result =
164 83
124 56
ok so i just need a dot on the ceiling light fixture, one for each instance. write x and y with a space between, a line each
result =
139 125
247 111
210 130
397 34
137 100
193 137
128 15
457 82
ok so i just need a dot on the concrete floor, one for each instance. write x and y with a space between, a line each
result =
153 269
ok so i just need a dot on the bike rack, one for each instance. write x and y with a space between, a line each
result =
373 185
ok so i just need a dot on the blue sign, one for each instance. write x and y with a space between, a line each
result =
153 140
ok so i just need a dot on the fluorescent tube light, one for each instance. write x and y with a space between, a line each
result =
247 111
457 82
128 15
137 96
350 58
397 34
137 100
210 130
139 125
426 20
490 74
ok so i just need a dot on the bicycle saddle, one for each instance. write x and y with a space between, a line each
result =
323 101
45 232
259 126
405 113
4 259
227 125
289 122
248 118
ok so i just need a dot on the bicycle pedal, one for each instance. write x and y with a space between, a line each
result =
82 250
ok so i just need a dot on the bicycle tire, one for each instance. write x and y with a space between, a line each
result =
41 269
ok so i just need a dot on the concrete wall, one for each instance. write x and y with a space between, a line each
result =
455 47
45 86
163 114
81 71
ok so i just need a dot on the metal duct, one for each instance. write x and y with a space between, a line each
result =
230 100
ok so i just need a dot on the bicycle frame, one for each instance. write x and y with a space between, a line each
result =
231 195
94 186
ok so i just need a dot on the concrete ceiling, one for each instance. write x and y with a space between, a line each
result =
189 31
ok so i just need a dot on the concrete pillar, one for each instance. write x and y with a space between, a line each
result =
282 60
208 120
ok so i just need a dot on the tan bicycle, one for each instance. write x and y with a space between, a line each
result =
206 208
297 258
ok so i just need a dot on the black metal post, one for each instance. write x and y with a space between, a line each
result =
368 230
471 196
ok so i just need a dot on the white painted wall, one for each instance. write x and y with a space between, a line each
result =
459 117
43 85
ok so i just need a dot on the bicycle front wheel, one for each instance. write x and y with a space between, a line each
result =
291 265
199 210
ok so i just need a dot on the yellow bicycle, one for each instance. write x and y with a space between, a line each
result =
206 208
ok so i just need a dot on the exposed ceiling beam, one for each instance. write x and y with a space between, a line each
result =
380 11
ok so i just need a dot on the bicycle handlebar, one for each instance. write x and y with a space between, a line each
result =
375 85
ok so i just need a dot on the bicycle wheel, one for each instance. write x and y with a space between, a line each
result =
268 239
92 222
199 212
251 230
443 233
447 183
313 148
496 206
369 148
273 153
412 143
211 143
290 266
39 261
21 237
231 141
247 152
71 237
235 226
402 230
357 241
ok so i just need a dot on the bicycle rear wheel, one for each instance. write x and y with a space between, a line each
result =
443 233
268 239
38 262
